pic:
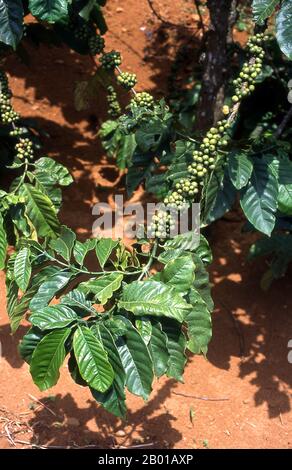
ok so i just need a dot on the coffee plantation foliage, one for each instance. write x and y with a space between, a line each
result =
137 314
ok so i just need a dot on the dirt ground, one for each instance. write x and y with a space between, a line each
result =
241 395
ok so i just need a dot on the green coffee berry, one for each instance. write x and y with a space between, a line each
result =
24 148
96 44
82 32
114 109
127 80
143 99
110 60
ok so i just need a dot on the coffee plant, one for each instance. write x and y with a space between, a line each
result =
137 314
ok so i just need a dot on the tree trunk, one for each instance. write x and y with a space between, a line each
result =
215 68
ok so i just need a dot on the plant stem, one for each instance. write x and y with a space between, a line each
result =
187 137
148 265
284 123
23 176
197 5
85 271
215 66
132 90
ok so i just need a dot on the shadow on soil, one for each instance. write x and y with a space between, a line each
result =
250 323
71 426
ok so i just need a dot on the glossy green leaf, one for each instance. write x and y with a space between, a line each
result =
187 241
49 10
262 9
82 249
22 268
153 298
48 357
126 151
98 18
87 9
204 251
76 299
179 273
144 326
281 242
17 307
181 157
29 343
63 245
284 28
169 255
11 22
74 371
49 289
176 345
103 287
116 326
240 169
114 399
40 210
92 359
104 248
259 197
3 243
220 197
285 199
47 168
136 362
53 317
199 326
150 134
202 283
158 350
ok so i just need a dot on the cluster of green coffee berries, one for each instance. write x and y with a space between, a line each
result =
24 148
4 87
110 60
210 150
187 188
204 159
86 33
162 223
175 200
143 99
96 44
17 131
8 115
245 83
82 32
112 99
127 80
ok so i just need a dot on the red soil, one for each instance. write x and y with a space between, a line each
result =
247 370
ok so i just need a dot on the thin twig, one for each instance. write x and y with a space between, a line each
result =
196 397
138 446
39 446
7 431
41 403
151 259
187 137
281 419
284 123
132 90
197 5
